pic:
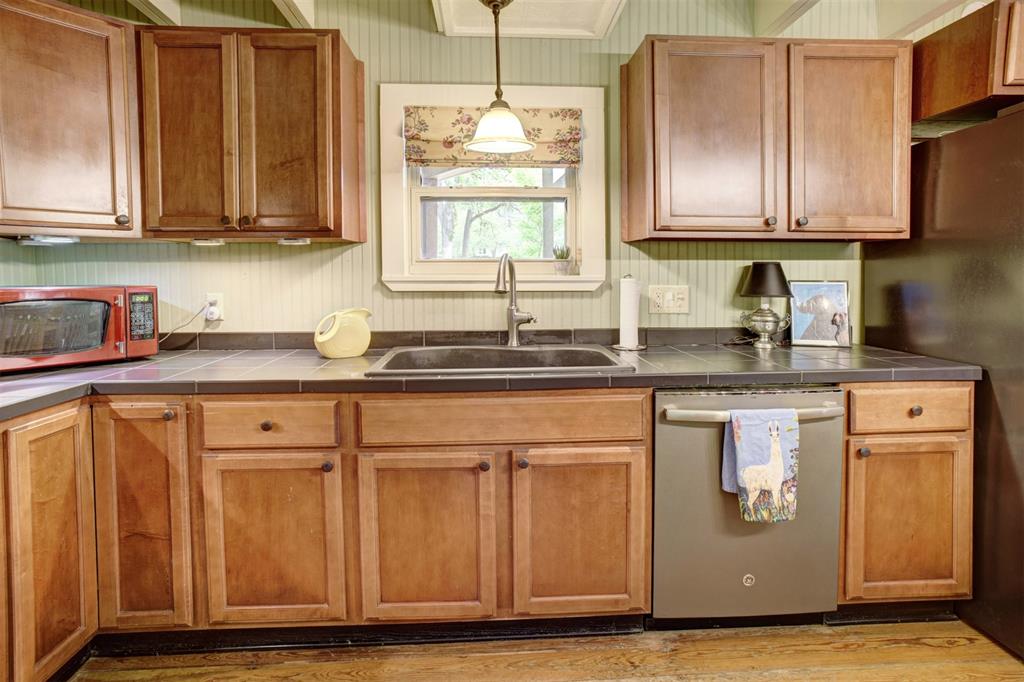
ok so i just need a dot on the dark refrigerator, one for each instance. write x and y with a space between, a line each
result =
955 290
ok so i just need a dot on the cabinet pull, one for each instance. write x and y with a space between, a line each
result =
801 221
266 425
485 466
168 415
772 220
246 221
121 219
917 410
327 467
864 452
523 463
225 220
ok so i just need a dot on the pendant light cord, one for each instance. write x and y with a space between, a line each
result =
496 9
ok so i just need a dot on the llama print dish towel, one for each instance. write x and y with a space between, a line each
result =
760 454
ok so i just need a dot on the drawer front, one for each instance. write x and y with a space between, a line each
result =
226 425
906 409
534 418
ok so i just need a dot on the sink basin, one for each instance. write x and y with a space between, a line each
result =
462 360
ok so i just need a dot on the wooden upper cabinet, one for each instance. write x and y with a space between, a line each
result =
142 517
189 123
68 131
715 111
427 535
581 520
908 517
252 134
52 541
849 138
973 67
274 547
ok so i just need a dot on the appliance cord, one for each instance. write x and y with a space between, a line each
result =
184 324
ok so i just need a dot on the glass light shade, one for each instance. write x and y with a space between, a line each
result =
499 132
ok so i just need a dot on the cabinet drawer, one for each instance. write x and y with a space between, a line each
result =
909 408
226 425
533 418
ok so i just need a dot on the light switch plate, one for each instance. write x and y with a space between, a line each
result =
666 299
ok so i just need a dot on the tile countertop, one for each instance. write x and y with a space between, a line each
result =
293 371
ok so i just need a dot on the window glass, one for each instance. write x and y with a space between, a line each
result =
528 228
432 176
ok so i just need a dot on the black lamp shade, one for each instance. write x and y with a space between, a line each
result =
766 279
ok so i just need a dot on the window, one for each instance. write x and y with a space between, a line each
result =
446 220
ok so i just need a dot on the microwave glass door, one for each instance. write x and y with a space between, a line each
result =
52 326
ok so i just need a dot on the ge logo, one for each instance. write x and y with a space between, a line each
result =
748 580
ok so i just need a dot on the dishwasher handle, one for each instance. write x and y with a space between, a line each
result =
673 414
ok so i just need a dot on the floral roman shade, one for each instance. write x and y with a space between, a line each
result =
434 136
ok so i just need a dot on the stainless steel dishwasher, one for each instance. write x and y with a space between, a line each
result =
710 563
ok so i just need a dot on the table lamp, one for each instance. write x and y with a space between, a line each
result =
765 280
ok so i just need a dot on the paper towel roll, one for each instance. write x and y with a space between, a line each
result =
629 312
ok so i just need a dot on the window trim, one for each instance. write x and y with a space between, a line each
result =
402 267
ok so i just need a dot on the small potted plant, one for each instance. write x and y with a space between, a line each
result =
562 263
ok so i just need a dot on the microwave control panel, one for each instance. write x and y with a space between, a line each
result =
141 320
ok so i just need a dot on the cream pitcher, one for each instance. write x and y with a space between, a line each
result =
343 334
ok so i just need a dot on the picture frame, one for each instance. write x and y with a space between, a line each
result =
820 312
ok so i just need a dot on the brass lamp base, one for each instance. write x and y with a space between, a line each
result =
765 322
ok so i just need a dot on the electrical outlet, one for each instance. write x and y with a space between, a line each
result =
665 299
214 307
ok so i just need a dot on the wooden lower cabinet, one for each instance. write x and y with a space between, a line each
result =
142 514
274 546
908 517
581 529
427 527
52 540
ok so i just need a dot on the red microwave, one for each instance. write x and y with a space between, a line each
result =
54 326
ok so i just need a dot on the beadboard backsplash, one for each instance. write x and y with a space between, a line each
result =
274 288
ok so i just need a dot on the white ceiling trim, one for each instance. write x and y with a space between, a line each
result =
900 19
160 12
579 19
298 13
772 17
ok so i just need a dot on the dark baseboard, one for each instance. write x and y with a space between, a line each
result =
904 612
652 623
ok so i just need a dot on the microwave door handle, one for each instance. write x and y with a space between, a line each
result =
673 414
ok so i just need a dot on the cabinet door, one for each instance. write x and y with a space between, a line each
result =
66 120
714 117
426 523
142 518
189 125
597 562
1014 71
849 138
52 541
274 547
908 517
284 125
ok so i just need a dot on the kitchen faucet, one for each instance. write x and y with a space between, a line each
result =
507 285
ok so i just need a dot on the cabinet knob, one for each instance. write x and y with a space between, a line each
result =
121 219
266 425
864 452
523 463
772 220
801 221
327 467
917 410
225 220
168 415
246 220
485 466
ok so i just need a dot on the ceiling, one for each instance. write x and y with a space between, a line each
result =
585 19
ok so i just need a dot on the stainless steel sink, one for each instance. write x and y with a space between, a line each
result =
462 360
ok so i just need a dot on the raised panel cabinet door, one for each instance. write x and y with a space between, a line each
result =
142 514
427 534
274 547
581 530
849 139
67 119
285 110
715 112
1014 70
52 541
908 517
189 104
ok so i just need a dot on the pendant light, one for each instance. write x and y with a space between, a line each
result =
499 130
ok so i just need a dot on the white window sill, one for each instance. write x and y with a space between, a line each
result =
477 283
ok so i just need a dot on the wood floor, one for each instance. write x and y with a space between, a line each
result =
866 653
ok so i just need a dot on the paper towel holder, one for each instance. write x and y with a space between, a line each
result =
619 346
